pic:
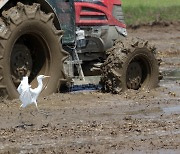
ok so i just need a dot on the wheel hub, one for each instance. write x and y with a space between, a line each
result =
134 75
21 61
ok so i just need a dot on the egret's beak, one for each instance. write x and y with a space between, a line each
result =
46 76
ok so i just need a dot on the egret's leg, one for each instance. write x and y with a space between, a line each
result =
20 107
36 106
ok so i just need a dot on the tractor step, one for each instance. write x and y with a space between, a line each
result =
87 80
73 62
90 83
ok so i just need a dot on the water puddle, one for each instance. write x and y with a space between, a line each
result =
147 112
174 109
171 74
171 79
159 151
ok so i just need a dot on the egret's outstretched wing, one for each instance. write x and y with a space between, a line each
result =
26 97
23 85
24 91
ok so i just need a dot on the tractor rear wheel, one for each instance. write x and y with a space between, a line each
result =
130 64
29 45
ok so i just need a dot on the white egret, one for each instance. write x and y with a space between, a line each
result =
27 94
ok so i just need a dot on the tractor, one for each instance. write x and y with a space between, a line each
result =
74 42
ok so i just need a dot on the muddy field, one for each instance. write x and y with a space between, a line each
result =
94 122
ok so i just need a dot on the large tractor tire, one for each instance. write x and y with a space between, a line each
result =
131 64
29 45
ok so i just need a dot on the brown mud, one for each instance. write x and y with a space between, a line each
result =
95 122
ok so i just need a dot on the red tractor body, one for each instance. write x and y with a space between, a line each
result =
97 13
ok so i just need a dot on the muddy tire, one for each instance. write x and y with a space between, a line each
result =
130 64
29 45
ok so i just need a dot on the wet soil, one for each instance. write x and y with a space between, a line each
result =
95 122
